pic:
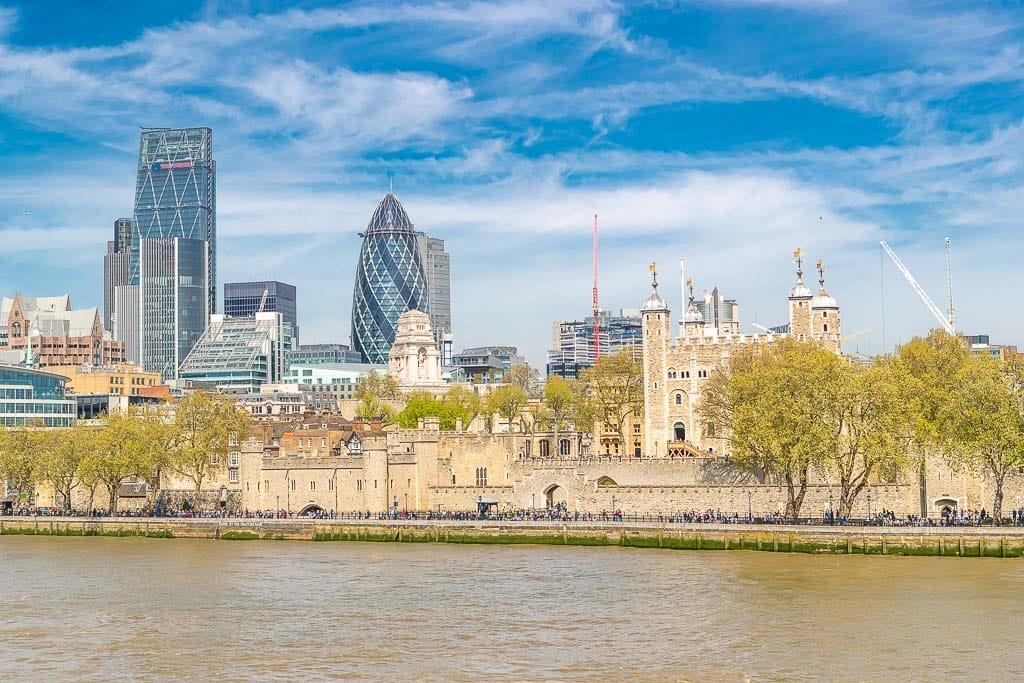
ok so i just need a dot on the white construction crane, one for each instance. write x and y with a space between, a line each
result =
950 312
263 300
947 324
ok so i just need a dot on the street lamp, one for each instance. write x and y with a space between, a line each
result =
533 499
750 506
277 508
613 507
831 514
395 505
407 503
869 506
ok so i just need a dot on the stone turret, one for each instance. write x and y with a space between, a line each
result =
800 303
656 326
825 320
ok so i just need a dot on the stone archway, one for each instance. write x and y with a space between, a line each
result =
311 509
679 432
555 495
946 507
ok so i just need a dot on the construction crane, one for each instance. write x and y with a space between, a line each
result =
946 323
263 301
597 310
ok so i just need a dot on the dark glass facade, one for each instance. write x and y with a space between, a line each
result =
173 301
176 194
242 300
390 280
32 397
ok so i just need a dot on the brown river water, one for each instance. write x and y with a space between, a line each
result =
154 609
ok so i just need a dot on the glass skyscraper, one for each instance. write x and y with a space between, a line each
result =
116 268
390 280
242 300
176 194
172 300
173 245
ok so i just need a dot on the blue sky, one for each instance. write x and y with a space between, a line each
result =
726 132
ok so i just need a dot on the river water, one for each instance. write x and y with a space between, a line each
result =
97 609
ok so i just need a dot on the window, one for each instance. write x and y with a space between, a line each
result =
545 448
293 484
214 459
686 374
679 399
481 476
564 446
233 458
703 374
233 476
671 373
312 486
825 327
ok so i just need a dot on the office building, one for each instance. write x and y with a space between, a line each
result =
244 299
116 267
176 212
238 355
324 384
485 364
437 267
53 333
30 397
390 280
720 314
121 379
172 296
573 341
318 354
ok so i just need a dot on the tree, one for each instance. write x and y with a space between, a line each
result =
524 377
507 401
768 400
19 461
206 426
464 403
421 405
117 454
615 387
374 391
63 452
558 398
930 366
865 408
985 422
159 437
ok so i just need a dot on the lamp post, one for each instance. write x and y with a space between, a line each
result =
750 506
395 507
407 503
533 499
613 508
869 506
277 507
831 514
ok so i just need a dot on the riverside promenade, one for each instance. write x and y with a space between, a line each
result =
1006 542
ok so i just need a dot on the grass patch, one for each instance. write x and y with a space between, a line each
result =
239 535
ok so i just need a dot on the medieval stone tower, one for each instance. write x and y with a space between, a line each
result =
656 331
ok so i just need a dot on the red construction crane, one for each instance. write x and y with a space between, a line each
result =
597 310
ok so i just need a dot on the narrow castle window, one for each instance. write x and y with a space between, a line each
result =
679 399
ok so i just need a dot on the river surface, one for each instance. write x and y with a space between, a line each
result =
101 609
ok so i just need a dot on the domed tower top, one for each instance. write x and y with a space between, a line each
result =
654 302
823 300
800 302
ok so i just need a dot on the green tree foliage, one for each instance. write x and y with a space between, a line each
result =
930 367
62 453
117 454
20 464
768 399
871 437
465 403
375 392
558 397
615 390
206 425
507 401
984 422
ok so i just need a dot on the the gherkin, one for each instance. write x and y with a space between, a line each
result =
390 280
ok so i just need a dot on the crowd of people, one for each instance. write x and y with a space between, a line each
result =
558 512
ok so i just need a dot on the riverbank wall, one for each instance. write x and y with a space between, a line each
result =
929 541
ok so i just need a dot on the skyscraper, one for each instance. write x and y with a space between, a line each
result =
242 299
176 209
437 266
173 301
390 280
116 267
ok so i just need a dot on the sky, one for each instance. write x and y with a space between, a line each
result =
728 133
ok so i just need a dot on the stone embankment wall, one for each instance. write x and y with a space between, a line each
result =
936 541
